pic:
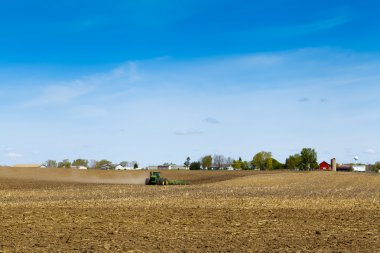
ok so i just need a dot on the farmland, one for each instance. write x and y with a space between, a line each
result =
220 211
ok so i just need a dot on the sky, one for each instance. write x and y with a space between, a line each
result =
157 81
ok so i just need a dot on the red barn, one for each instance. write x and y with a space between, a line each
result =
324 166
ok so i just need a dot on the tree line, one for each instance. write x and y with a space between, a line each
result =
91 164
305 160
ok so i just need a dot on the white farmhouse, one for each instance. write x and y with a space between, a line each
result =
79 167
120 167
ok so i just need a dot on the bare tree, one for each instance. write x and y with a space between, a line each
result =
219 161
229 162
124 163
92 164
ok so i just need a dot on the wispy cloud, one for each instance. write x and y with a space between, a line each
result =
89 111
306 28
188 132
303 100
64 92
127 72
60 94
211 120
324 24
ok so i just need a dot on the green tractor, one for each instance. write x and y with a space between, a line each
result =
156 179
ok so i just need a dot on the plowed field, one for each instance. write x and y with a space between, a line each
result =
98 211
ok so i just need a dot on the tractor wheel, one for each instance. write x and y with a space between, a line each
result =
159 182
147 180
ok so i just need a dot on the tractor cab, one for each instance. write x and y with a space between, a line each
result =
154 178
155 174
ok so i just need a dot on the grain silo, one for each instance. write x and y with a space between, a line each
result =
333 164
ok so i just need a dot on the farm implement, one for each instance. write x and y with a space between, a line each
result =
156 179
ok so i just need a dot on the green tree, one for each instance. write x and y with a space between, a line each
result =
269 162
80 162
374 168
64 164
245 165
293 162
51 164
133 164
308 159
195 166
257 161
277 165
187 162
206 161
262 161
237 164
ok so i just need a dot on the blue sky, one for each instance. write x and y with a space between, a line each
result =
157 81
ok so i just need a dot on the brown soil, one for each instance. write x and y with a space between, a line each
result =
218 212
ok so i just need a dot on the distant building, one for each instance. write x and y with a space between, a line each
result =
229 168
167 167
344 168
164 167
120 167
79 167
350 167
178 167
359 168
324 166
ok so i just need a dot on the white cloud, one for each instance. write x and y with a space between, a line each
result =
13 155
60 94
370 151
67 91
